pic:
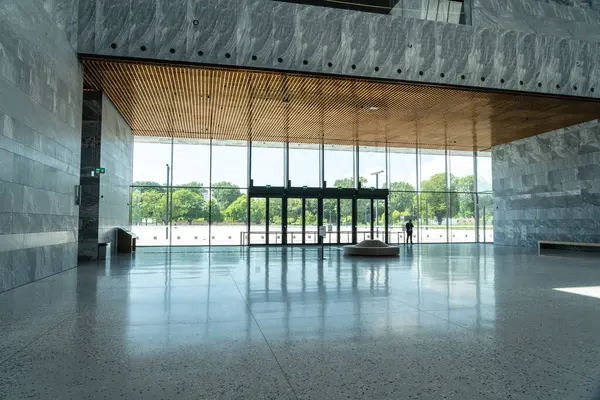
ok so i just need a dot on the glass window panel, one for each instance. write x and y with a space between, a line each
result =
189 216
258 220
379 210
330 220
432 165
371 164
433 224
304 165
486 218
345 221
462 177
191 162
150 159
229 163
149 215
363 214
311 215
402 169
294 222
275 213
228 209
462 223
267 164
484 172
402 208
339 166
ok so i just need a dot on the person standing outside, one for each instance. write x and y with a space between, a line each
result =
409 231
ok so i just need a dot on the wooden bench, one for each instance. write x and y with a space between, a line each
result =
556 245
126 241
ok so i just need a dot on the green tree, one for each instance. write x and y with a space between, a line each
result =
149 184
346 206
196 187
396 217
237 211
215 212
402 197
226 193
294 211
187 205
349 182
258 211
433 198
136 207
465 205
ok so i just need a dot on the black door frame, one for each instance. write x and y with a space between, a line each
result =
268 192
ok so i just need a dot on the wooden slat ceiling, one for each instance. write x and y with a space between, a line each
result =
228 104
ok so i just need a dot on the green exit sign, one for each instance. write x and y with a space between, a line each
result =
304 187
339 188
268 186
100 170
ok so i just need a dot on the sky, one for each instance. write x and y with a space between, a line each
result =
192 164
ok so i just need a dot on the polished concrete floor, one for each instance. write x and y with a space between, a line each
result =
440 322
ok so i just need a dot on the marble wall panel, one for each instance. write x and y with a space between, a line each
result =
545 17
382 38
113 25
215 33
311 27
326 40
547 187
331 43
256 34
141 28
356 39
172 19
283 31
40 92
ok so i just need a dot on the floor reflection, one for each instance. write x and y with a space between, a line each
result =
280 323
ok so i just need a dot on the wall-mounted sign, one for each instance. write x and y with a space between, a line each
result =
100 170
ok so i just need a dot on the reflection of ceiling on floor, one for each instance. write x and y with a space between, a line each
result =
202 102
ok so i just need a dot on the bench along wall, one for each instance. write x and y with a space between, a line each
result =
547 187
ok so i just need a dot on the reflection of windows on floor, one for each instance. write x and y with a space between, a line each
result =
590 291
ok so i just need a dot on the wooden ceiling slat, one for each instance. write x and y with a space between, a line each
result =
233 104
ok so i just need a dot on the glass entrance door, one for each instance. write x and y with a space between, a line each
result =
294 221
274 224
345 220
258 221
364 213
331 220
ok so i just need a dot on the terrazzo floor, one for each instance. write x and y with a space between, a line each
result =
440 322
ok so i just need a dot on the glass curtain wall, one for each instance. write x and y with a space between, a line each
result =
195 192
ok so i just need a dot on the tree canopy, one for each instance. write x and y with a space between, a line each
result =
191 203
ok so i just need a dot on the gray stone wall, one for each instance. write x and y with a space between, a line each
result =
547 187
107 142
117 157
40 138
574 19
286 36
